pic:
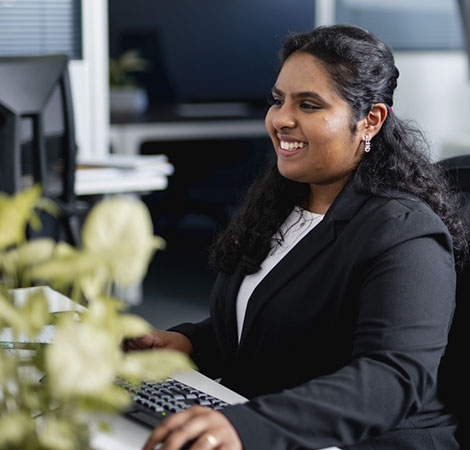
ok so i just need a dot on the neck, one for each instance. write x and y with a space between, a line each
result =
322 196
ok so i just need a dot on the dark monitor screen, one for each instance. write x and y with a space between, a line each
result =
37 139
209 50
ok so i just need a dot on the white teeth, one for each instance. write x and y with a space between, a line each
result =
292 145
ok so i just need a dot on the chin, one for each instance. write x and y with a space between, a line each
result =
292 175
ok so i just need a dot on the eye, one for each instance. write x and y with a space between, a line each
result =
274 100
309 106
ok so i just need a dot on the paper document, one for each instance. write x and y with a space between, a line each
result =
45 336
56 302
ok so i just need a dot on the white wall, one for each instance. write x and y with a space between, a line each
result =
434 91
89 79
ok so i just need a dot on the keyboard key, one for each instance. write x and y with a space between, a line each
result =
155 401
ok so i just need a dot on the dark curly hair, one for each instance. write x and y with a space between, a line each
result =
364 73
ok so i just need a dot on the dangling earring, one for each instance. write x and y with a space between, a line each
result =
366 143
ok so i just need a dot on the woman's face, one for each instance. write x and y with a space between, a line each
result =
310 125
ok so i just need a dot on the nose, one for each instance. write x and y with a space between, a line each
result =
283 117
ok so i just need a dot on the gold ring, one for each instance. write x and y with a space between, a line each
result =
212 440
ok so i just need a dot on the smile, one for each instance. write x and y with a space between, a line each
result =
292 145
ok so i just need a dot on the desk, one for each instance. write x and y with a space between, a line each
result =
126 434
129 435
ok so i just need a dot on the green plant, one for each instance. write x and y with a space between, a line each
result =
82 364
121 70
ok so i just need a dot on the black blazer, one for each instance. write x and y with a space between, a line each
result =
342 339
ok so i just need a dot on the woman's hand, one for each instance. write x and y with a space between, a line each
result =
205 428
159 339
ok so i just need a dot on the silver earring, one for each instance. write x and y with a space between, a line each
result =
366 143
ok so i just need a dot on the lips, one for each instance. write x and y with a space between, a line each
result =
290 146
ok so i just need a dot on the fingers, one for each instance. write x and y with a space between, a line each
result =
203 428
135 344
163 431
159 339
147 341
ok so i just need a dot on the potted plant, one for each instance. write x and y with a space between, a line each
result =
126 96
51 412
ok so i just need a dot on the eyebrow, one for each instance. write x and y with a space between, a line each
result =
303 94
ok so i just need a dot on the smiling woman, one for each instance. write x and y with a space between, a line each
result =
336 281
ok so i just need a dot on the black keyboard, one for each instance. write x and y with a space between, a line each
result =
152 402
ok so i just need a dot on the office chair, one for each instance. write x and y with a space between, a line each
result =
37 134
453 376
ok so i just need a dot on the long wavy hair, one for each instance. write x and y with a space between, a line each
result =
363 71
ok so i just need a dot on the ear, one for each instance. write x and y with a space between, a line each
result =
372 123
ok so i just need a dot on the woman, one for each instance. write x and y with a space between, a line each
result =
337 279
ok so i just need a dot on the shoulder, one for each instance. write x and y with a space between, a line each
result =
401 210
385 222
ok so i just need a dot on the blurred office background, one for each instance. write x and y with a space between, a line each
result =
212 64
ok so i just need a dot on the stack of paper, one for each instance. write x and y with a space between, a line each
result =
121 173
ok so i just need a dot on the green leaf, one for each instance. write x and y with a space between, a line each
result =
82 360
35 312
8 365
57 434
35 251
153 365
111 399
68 267
130 325
120 229
26 254
14 429
15 212
10 315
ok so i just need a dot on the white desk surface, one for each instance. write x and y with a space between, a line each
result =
129 435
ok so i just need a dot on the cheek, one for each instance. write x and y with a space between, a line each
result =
332 126
336 132
268 120
268 123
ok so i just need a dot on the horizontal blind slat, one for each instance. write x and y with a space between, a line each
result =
29 27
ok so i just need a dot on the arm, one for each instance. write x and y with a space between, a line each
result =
180 338
405 307
194 339
205 352
159 339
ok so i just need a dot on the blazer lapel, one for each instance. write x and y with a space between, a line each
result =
294 261
228 291
342 210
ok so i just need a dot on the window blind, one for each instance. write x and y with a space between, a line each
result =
39 27
405 24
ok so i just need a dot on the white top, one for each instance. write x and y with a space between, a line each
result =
297 225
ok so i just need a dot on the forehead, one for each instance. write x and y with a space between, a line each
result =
304 72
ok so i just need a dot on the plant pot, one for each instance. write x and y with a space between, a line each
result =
127 100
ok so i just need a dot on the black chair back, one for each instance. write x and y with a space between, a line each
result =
453 375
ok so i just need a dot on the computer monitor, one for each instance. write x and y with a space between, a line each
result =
37 133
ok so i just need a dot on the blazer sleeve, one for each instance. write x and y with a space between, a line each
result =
206 354
405 310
